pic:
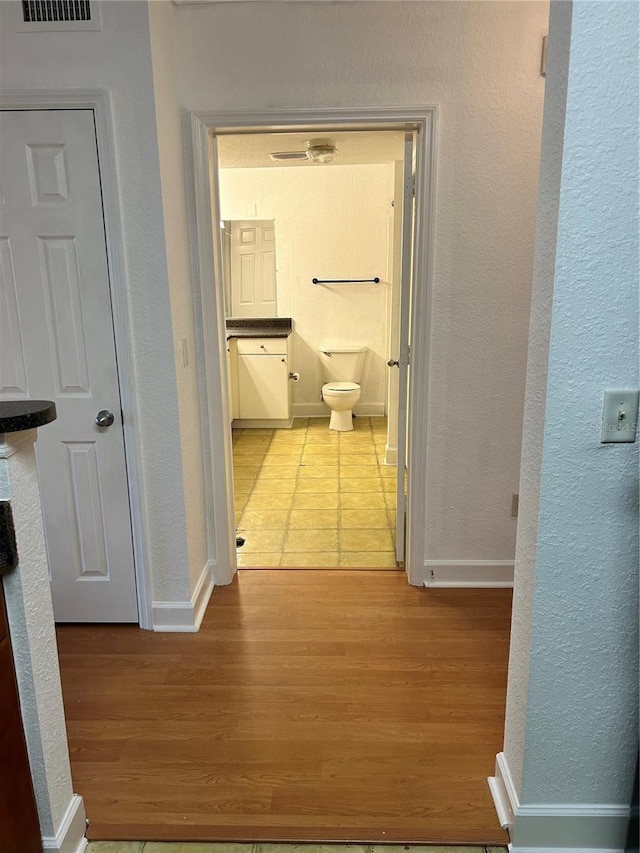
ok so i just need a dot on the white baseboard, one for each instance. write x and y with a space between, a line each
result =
469 573
518 849
503 791
70 837
310 410
556 827
569 828
390 455
185 616
202 593
321 410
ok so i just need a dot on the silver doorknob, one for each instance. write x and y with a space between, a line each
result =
104 418
393 363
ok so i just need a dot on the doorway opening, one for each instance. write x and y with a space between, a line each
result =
212 136
312 259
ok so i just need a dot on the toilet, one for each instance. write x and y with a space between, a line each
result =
341 368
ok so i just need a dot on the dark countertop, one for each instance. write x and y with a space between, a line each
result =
259 327
18 415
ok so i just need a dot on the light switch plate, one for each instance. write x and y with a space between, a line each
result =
619 416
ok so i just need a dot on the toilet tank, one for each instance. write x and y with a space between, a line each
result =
342 363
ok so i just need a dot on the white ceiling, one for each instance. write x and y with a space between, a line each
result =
243 151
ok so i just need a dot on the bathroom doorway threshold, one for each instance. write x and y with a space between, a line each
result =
203 130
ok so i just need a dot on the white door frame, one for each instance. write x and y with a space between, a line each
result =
203 209
100 102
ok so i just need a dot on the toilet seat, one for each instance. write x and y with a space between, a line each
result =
340 387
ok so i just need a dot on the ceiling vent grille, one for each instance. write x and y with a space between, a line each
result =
284 156
37 11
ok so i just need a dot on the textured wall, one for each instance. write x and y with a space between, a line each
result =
161 22
33 635
331 222
119 58
480 63
536 389
582 713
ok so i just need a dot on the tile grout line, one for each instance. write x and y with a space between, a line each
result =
286 524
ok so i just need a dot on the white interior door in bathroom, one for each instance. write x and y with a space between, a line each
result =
253 268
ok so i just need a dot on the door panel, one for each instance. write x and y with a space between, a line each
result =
57 344
13 372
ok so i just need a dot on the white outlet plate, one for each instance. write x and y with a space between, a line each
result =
619 417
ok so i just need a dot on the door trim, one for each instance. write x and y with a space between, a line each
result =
203 209
99 101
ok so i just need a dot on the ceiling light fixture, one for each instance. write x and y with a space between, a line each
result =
321 150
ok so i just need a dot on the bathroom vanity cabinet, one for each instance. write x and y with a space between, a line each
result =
263 379
258 367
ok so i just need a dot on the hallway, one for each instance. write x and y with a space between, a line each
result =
311 706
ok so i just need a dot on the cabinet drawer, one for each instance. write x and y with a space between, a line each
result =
262 346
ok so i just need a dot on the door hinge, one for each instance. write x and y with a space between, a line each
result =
410 187
543 56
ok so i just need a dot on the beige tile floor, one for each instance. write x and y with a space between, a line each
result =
190 847
310 496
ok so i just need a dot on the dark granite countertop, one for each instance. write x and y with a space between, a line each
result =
259 327
18 415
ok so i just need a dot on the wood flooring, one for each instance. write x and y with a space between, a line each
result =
311 706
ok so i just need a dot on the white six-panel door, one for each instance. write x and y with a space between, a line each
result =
253 268
56 343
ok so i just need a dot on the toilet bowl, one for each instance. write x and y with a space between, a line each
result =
341 368
341 397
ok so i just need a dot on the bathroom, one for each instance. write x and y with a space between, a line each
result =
329 221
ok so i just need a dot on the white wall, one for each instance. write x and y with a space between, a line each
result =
480 63
331 222
536 389
161 21
572 742
119 59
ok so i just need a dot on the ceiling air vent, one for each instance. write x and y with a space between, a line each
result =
52 15
280 156
56 10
